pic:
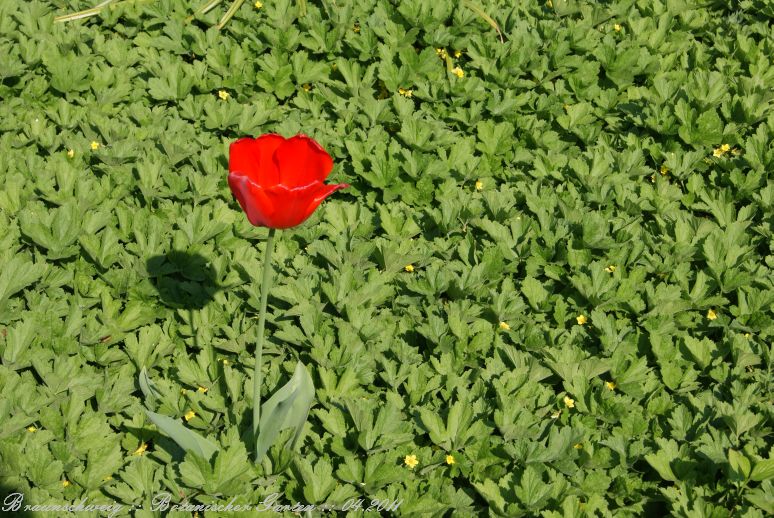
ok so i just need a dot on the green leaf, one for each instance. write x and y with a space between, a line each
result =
740 465
188 440
763 470
709 128
287 408
493 493
762 497
435 427
532 491
318 480
147 386
102 461
17 341
17 274
701 350
534 291
661 460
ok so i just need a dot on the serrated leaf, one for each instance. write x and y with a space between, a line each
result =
17 274
763 470
534 292
740 465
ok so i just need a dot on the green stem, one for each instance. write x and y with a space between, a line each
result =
257 376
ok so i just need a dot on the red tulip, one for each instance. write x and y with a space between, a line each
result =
278 182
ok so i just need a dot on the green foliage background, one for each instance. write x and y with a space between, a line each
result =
592 129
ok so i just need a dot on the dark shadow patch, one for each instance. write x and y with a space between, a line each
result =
13 500
183 280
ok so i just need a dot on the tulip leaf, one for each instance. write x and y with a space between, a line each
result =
147 386
185 438
287 408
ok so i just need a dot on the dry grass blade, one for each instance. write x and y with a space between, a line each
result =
230 13
83 14
488 19
208 6
211 4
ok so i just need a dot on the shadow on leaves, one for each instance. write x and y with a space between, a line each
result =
12 502
183 280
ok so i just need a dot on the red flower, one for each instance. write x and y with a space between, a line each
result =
278 182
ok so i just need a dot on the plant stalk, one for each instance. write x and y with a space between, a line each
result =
258 374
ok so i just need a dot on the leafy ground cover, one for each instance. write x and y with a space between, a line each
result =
548 290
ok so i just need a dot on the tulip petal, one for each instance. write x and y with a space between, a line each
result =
253 199
302 161
290 204
321 193
253 158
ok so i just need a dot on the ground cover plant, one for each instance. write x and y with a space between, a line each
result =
547 291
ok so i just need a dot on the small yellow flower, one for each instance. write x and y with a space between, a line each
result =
141 449
307 87
457 71
183 391
617 27
450 459
555 415
70 153
720 151
610 385
258 5
441 53
504 326
224 95
711 314
457 53
356 27
107 478
610 269
203 390
94 145
479 185
663 169
225 361
405 92
569 402
747 335
189 415
581 319
411 461
577 446
409 268
65 483
32 429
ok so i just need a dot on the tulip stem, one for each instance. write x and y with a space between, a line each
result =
258 374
